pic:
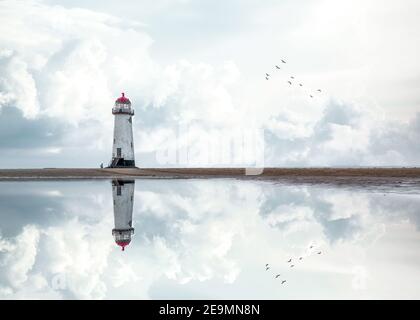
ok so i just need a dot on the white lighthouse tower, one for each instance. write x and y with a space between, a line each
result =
123 146
123 196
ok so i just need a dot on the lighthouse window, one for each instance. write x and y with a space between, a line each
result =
118 190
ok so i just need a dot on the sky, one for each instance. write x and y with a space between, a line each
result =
58 244
195 73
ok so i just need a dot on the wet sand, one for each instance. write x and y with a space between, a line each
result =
336 176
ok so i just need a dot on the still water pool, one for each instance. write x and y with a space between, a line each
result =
205 239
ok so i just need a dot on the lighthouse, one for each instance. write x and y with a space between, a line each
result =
123 146
123 196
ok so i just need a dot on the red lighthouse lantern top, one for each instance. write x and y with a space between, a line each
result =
123 99
122 243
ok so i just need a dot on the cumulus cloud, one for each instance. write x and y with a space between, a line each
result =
60 75
21 257
195 234
19 132
342 216
184 239
17 84
345 135
76 257
62 66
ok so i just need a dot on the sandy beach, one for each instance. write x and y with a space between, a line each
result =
336 176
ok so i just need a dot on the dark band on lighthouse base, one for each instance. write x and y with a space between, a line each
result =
122 163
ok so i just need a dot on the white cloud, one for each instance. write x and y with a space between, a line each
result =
187 240
67 64
17 84
21 258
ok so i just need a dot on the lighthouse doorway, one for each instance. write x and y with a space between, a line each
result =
118 152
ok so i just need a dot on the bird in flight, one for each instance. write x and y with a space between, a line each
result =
290 260
319 90
283 281
300 84
283 61
300 258
277 67
311 96
267 74
319 252
311 247
289 82
277 275
267 268
292 77
266 78
291 266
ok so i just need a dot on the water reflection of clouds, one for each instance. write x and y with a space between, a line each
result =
205 238
342 214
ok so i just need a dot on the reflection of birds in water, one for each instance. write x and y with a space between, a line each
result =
291 265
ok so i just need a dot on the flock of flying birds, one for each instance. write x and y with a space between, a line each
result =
291 264
311 247
277 67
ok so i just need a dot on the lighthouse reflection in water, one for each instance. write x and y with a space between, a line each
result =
123 196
